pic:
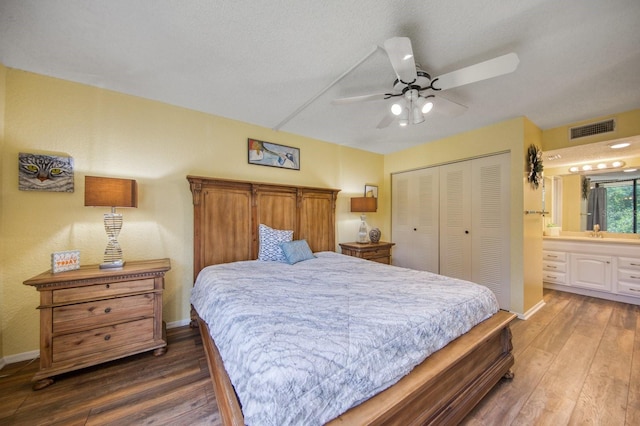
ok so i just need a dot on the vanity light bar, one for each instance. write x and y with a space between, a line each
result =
601 166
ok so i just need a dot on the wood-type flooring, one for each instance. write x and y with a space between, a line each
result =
577 362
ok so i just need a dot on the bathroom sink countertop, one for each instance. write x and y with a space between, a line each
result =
631 239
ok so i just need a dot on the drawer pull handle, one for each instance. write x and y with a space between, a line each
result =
107 337
552 255
634 277
551 266
634 264
551 276
108 286
634 289
107 310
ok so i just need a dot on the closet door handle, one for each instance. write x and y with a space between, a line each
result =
466 231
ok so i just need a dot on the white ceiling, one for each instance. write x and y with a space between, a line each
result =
258 61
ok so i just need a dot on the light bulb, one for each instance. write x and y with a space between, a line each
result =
396 109
427 107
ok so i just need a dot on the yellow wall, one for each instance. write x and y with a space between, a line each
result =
512 135
627 124
116 135
3 72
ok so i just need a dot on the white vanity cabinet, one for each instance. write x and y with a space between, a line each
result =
590 271
607 268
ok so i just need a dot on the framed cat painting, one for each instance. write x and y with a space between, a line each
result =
45 173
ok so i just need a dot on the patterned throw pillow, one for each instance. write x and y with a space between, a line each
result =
296 251
270 240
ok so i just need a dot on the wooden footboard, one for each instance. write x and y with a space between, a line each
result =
441 390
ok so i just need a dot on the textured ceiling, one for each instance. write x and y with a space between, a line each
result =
259 61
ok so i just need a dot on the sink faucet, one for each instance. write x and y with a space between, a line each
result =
596 231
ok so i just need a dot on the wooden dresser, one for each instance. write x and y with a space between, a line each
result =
378 252
92 315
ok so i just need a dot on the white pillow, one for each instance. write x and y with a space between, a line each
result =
270 240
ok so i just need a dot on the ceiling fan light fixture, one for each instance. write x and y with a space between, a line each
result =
396 108
424 105
404 117
417 116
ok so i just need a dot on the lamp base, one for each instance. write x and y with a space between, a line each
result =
112 265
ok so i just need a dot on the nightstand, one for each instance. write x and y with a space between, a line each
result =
378 252
91 315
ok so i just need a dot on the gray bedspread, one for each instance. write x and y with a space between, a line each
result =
303 343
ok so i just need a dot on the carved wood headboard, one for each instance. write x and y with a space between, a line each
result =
226 215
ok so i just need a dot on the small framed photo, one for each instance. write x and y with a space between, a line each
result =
65 261
371 191
271 154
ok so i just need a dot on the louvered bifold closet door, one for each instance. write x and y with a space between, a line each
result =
455 220
490 242
414 219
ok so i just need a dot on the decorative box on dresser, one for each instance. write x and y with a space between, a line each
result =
378 252
91 315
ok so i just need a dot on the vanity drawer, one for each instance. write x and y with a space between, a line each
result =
554 277
103 339
554 266
94 314
554 256
67 295
629 263
629 288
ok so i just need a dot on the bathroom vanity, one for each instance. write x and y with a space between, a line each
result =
606 267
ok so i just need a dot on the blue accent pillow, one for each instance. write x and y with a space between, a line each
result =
296 251
270 240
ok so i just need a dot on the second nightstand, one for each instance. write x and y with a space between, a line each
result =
378 252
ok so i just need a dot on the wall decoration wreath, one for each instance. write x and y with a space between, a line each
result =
535 166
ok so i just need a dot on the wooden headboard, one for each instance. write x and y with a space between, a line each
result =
226 215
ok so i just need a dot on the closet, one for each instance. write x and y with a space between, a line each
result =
454 220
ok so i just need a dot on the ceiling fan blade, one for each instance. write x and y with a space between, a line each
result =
386 120
444 106
482 71
401 56
361 98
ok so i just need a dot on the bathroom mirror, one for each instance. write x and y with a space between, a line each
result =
576 206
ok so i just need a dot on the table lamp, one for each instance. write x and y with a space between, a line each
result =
363 205
111 192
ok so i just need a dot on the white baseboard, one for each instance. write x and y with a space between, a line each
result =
24 356
179 323
532 311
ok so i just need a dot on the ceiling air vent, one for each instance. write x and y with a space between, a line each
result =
592 129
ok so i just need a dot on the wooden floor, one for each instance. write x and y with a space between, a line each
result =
577 362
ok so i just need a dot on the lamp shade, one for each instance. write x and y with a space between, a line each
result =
363 204
110 192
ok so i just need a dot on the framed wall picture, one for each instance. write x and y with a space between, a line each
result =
371 191
37 172
273 155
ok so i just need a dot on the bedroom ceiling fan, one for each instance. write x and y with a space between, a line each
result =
417 93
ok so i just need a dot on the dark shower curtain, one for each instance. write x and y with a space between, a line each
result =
597 208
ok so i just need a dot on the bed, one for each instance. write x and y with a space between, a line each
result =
442 388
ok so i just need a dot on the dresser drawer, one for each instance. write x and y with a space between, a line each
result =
94 314
555 256
103 339
554 266
554 277
374 254
74 294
